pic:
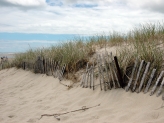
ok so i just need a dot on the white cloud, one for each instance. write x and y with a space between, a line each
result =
120 16
23 4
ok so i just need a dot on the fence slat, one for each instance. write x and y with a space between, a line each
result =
143 78
160 88
154 88
131 79
102 74
93 76
113 68
150 80
111 72
138 74
119 72
99 72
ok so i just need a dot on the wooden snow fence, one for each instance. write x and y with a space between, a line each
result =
107 70
4 63
105 73
141 80
109 76
46 66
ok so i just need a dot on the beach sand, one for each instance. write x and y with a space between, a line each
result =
25 96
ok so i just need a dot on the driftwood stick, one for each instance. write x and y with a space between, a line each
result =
56 115
143 78
149 81
138 74
154 88
131 79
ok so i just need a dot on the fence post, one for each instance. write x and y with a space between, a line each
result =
122 84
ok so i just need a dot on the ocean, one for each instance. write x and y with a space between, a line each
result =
18 43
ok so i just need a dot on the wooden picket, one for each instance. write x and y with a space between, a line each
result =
143 77
155 86
150 80
138 74
131 79
108 73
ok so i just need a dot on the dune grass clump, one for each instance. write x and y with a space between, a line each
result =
148 32
74 54
116 38
145 42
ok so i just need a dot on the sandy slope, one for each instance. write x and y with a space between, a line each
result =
25 96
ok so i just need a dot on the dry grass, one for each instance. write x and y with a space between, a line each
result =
143 41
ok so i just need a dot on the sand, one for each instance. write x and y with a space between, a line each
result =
25 96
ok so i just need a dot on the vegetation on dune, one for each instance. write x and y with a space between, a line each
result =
143 42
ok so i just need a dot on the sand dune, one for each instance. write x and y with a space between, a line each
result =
25 96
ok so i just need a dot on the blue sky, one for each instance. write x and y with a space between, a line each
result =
35 36
53 19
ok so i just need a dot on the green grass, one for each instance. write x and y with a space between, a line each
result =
143 42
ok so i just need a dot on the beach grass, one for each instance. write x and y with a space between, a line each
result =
144 42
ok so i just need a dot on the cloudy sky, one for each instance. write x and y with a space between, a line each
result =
77 16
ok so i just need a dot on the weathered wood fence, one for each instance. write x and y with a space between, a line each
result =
4 63
109 74
142 81
107 70
45 66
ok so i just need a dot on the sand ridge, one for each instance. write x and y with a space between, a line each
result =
25 96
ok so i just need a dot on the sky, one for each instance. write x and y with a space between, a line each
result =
77 16
53 18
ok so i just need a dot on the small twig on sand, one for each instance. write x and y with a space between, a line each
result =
56 115
161 106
